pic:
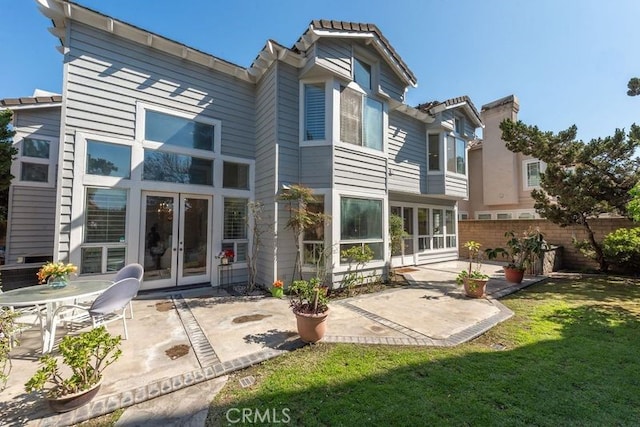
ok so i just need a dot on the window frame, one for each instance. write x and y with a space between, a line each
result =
525 173
308 266
438 171
51 161
363 241
236 241
456 138
328 101
383 119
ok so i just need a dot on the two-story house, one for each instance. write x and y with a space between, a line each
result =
500 181
162 147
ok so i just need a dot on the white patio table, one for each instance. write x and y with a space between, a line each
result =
48 297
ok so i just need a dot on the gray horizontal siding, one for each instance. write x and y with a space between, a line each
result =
407 154
316 169
357 169
334 54
31 225
440 256
425 200
43 121
390 83
456 186
265 171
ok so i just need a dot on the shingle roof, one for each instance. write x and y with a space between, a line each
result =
355 27
30 100
428 107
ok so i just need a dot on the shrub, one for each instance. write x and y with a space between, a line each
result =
622 248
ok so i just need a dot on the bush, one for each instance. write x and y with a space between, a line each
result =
622 248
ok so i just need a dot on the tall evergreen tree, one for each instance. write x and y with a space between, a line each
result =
582 180
7 154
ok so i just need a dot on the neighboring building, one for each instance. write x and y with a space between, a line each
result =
500 181
162 147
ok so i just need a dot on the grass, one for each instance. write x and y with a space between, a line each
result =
568 357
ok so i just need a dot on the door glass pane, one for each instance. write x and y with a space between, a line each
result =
171 167
196 212
159 237
160 127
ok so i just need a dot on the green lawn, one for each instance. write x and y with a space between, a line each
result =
569 356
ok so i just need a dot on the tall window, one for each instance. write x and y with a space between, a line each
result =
437 222
234 234
104 245
362 74
434 152
424 232
360 119
361 224
456 155
450 229
314 112
313 239
532 172
34 160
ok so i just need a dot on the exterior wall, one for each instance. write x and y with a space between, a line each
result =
266 162
491 234
32 206
317 167
106 77
407 144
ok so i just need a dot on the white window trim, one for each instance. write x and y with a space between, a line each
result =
441 157
490 213
466 155
326 194
328 116
525 180
52 161
141 108
364 56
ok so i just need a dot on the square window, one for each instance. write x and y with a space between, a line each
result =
108 159
34 172
105 215
235 175
360 219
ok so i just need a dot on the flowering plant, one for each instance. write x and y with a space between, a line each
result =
55 269
227 253
278 284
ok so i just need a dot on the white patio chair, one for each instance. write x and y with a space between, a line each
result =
109 306
27 318
131 270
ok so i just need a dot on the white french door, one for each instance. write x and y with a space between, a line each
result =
175 239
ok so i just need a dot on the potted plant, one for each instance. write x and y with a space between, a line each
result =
86 356
309 304
473 279
521 251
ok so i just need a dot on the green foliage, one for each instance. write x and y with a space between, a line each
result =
622 248
357 257
7 333
522 250
633 207
396 233
86 354
582 180
475 257
633 86
301 217
308 297
7 154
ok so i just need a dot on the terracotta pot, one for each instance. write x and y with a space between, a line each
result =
311 327
474 288
513 275
73 401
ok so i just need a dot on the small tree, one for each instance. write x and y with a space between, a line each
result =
633 207
301 218
7 155
259 226
633 86
357 257
582 180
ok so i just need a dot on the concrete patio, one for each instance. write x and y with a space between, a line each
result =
178 340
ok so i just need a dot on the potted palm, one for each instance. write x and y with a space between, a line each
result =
86 356
521 251
309 304
473 279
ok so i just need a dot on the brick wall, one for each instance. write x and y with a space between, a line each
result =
491 234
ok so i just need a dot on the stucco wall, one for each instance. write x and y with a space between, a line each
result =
491 234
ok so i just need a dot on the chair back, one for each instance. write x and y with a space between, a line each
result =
130 270
115 297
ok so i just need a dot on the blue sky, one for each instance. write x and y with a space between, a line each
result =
568 61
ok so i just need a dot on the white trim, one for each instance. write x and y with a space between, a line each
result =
525 178
440 156
51 161
328 107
